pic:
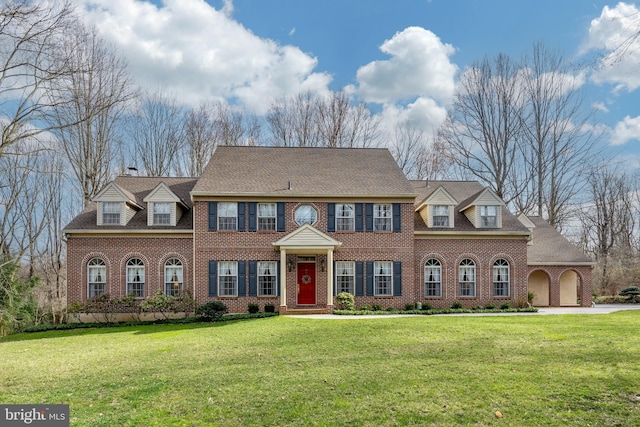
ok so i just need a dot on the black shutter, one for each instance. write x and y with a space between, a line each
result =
331 217
370 278
359 279
253 206
369 216
213 278
397 225
242 278
335 280
213 210
280 220
253 278
278 281
241 216
359 221
397 278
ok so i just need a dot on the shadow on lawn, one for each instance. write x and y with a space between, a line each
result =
141 329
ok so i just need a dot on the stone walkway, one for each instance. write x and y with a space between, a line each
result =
598 309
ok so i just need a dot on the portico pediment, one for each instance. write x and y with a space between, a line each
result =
307 238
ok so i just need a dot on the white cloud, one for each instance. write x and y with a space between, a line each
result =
198 52
419 66
600 106
626 130
616 32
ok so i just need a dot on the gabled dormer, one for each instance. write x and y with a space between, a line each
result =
164 207
484 210
116 206
437 210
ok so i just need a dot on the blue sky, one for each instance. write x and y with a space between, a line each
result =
402 57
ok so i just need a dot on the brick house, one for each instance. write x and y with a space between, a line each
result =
292 227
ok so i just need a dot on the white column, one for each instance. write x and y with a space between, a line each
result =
330 277
283 278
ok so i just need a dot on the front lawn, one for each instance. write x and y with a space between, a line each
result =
283 371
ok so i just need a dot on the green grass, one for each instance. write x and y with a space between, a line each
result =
283 371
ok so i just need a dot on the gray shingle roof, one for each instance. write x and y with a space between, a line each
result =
138 188
311 172
549 246
463 192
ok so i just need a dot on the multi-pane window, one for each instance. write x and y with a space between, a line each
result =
345 217
433 278
306 214
228 278
382 215
135 277
383 278
96 277
441 216
267 278
111 213
467 278
173 277
267 216
489 216
345 277
227 216
161 213
501 278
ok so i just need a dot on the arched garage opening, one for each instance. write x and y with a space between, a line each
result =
569 284
539 284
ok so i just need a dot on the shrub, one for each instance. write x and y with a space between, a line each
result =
164 304
269 308
376 307
490 306
426 306
409 306
364 308
253 308
456 305
632 293
505 306
212 310
391 309
530 296
345 301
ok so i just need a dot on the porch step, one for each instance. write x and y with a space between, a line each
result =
297 311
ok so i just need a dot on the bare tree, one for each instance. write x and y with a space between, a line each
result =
293 121
200 139
484 126
96 95
341 124
31 64
156 131
557 141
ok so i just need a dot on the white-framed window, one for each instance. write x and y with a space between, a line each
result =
467 278
228 278
96 277
489 216
345 217
383 278
267 278
382 216
173 277
267 216
433 278
305 214
135 277
161 213
501 278
227 216
346 277
111 213
441 216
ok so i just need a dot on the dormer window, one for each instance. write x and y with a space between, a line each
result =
161 213
489 216
440 216
111 213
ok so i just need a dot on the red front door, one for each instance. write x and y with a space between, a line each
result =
306 283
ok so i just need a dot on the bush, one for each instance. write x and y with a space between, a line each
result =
364 308
426 306
253 308
409 306
376 307
345 301
269 308
505 306
212 311
632 293
456 305
490 306
165 304
391 309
